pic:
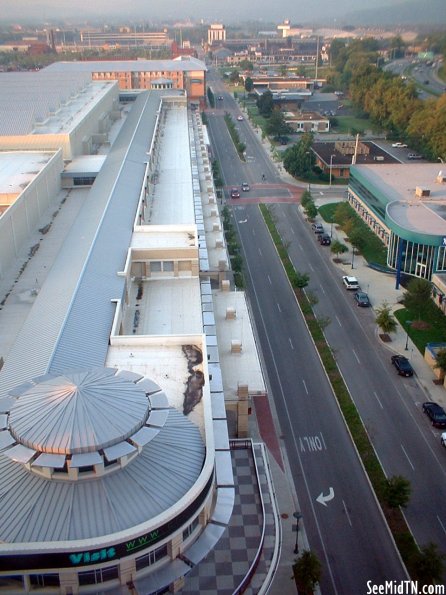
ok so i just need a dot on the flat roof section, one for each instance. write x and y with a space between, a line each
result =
172 200
184 64
399 183
19 168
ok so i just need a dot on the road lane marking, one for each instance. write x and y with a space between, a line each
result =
407 457
291 343
346 512
312 443
278 307
292 231
269 279
339 322
377 398
311 267
260 252
323 290
357 358
441 524
305 387
324 499
253 232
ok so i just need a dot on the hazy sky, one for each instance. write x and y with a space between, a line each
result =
329 11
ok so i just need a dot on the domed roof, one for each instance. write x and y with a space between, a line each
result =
80 411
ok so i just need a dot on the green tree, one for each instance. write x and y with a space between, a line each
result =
397 491
234 76
418 293
246 65
298 160
440 361
265 104
311 210
249 84
307 571
428 565
276 125
356 237
385 319
306 198
338 247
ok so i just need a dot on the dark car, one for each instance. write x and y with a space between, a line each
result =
235 192
402 365
324 239
435 413
362 299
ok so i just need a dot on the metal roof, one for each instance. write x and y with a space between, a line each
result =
184 63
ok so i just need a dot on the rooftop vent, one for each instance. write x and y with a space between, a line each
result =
441 178
421 192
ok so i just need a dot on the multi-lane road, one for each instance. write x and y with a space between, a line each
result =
344 525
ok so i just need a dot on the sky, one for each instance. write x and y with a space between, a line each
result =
299 11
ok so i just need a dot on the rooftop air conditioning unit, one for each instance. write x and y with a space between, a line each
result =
421 192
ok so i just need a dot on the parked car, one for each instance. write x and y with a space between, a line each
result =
235 192
414 156
220 97
402 365
443 439
324 239
317 228
362 299
350 282
240 118
435 413
399 145
245 187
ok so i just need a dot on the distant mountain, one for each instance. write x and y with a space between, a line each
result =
413 12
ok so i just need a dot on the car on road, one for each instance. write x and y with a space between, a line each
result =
317 228
220 97
362 299
402 365
435 413
350 282
443 439
240 118
399 145
235 192
324 239
245 187
414 156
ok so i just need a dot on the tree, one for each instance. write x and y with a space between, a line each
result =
311 210
246 65
397 491
385 319
234 76
306 198
338 247
307 572
249 84
356 237
428 565
440 362
298 160
418 293
276 125
265 104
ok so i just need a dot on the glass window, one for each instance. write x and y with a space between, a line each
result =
155 266
168 266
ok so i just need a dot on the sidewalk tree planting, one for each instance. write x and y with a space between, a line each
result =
307 572
338 248
385 319
440 363
419 291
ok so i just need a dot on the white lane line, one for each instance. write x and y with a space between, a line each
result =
377 398
311 267
300 245
291 343
260 252
253 232
323 290
339 322
278 307
305 387
357 358
292 231
346 512
407 457
323 441
269 279
441 524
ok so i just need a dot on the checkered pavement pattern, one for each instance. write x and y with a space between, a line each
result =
224 569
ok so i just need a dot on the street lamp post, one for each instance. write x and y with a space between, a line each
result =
331 167
297 516
331 229
353 256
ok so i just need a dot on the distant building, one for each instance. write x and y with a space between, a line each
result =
126 37
216 33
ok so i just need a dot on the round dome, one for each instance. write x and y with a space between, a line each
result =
78 412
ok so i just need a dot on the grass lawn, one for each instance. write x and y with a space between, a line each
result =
346 123
432 322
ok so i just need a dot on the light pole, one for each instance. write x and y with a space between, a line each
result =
297 516
353 256
331 166
331 229
407 323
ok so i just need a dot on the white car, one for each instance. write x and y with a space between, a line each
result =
350 282
443 439
240 118
399 145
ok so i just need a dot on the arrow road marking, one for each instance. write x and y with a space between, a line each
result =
324 499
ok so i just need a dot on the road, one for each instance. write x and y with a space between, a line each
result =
337 503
